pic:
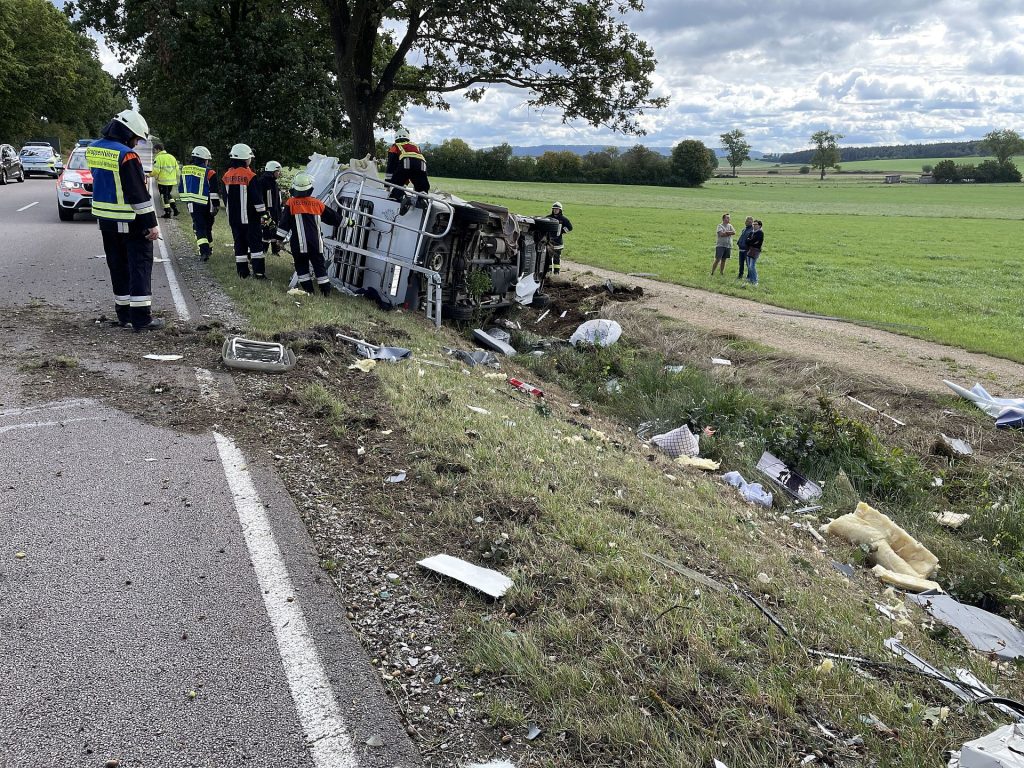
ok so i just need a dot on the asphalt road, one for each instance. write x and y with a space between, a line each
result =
152 610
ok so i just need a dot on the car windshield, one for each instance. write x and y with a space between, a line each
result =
37 151
77 161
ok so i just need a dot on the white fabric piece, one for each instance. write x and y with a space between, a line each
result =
679 442
600 333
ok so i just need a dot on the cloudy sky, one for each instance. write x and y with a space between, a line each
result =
877 71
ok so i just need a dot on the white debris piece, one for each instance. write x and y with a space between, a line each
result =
163 358
1003 748
679 442
485 580
526 288
720 361
600 333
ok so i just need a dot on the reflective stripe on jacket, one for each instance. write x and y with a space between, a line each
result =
237 183
301 219
194 185
118 183
165 169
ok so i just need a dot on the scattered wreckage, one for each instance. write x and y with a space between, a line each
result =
430 252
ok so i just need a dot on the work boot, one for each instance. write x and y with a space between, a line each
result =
174 209
242 267
405 206
325 289
167 215
421 202
154 324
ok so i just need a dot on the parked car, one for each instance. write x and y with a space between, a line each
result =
10 165
74 187
40 158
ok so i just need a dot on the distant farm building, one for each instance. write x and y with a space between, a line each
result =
892 178
926 178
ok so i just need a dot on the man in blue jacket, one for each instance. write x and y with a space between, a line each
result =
126 216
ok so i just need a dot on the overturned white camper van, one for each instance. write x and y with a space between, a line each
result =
438 253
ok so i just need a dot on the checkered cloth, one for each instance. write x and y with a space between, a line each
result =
678 442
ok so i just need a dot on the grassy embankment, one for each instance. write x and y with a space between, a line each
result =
940 257
634 664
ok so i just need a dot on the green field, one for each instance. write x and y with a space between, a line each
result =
940 257
909 166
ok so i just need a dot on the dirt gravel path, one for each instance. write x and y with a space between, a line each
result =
909 363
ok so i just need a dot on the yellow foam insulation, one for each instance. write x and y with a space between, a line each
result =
891 547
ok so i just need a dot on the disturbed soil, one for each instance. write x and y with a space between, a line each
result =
908 363
370 532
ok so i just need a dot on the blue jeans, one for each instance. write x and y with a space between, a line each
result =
752 255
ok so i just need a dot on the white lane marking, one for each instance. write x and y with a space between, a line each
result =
62 405
326 731
172 281
26 207
207 384
38 424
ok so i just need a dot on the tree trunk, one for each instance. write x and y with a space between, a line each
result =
823 173
361 119
353 60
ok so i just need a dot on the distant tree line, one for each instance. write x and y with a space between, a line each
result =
950 149
690 165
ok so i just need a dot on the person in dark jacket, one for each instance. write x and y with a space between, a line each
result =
197 188
754 245
741 244
266 185
300 221
406 164
126 217
245 212
556 240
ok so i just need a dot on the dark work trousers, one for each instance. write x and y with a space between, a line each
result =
202 225
302 265
130 261
403 176
249 247
743 263
165 193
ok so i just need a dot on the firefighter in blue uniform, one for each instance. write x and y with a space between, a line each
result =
300 220
197 188
126 216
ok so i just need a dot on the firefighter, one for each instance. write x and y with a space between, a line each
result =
266 182
126 217
197 188
556 240
405 164
300 220
245 212
165 172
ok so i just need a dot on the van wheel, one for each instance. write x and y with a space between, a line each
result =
21 176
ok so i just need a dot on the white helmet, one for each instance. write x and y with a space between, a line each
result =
134 122
202 152
401 134
272 165
557 205
302 182
241 152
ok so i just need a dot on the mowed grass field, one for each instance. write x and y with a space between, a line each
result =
942 260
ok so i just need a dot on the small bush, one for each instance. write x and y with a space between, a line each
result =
805 169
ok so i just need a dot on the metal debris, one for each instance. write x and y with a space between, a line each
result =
252 355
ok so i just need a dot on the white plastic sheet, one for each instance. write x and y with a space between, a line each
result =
526 288
1007 411
600 333
488 581
1003 748
753 492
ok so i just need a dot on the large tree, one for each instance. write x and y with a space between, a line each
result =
51 81
217 73
826 150
737 149
692 163
576 56
1004 144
